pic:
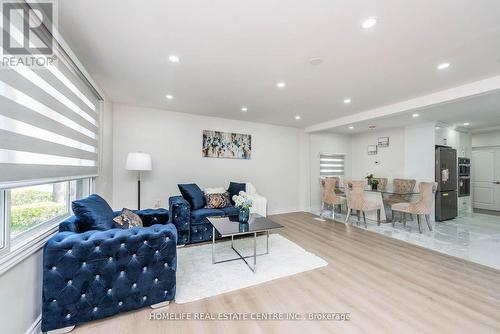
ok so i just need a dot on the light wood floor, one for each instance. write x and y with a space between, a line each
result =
387 285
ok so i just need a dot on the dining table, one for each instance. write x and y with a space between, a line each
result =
385 198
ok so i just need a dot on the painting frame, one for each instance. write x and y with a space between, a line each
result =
226 145
383 142
372 150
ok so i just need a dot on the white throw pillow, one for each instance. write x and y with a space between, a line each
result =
250 189
214 190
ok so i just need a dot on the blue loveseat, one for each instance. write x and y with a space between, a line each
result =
193 225
95 274
189 212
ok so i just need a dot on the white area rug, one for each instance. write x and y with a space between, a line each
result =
198 278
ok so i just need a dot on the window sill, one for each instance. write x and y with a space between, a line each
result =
27 247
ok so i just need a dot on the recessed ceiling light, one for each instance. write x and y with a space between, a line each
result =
347 101
315 61
174 58
169 97
297 117
280 84
415 115
351 127
245 109
443 66
369 23
438 128
466 124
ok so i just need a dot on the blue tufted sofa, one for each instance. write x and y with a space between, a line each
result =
95 274
193 225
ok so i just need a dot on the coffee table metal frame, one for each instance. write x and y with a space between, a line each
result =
240 256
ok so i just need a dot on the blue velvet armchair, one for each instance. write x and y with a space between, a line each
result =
95 274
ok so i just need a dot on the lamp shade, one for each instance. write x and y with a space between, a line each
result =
138 161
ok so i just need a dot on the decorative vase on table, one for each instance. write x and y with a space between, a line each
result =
243 227
244 203
244 215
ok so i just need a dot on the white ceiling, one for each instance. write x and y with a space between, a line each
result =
233 52
481 112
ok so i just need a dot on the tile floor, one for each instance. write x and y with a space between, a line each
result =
474 237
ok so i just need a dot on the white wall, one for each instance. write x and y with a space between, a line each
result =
420 156
420 152
325 143
174 141
21 295
304 173
389 161
486 139
410 153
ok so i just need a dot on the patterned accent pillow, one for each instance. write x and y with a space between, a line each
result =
218 201
127 219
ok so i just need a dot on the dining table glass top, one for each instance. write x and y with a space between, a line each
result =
387 191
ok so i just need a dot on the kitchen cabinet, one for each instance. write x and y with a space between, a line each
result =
464 145
464 205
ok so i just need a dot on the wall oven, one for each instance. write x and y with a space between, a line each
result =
463 177
463 167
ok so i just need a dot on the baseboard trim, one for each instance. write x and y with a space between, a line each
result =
281 211
36 327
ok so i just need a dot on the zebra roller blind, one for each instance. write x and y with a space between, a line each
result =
49 122
331 164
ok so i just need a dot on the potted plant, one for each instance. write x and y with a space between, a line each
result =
244 203
369 178
374 183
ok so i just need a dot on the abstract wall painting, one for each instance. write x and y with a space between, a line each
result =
227 145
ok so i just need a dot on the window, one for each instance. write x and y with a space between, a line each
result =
49 147
32 208
29 207
80 188
30 214
331 164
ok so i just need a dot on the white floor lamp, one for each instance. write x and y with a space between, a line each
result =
139 162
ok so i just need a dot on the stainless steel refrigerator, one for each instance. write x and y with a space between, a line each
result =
446 178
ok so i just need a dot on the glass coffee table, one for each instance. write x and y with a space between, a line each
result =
229 227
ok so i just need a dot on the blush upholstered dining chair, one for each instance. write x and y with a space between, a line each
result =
356 201
329 197
382 183
402 190
422 207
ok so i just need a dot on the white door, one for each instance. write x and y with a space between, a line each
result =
485 169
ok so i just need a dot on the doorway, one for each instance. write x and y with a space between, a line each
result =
486 179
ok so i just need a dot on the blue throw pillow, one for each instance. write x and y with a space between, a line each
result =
94 213
235 188
193 194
